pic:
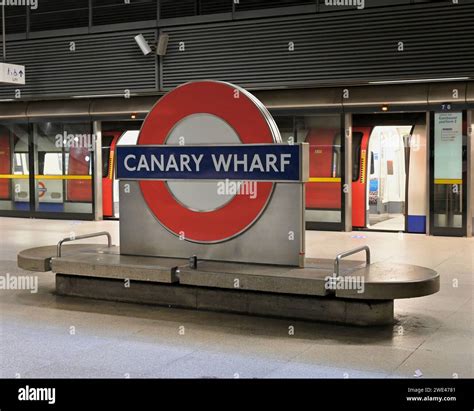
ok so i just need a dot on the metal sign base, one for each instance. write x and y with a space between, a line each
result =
277 237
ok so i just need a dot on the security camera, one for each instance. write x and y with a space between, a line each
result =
162 44
160 47
143 44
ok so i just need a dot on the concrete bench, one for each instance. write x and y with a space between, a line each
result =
98 271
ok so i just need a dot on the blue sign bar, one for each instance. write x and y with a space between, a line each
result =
270 162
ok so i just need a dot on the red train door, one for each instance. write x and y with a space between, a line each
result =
360 143
323 192
5 166
80 189
109 142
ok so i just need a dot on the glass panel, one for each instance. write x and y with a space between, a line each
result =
14 167
323 192
63 164
449 143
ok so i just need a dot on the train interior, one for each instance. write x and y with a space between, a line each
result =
386 177
387 149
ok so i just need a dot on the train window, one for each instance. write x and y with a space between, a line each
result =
21 163
356 145
106 143
105 161
336 162
52 164
41 156
372 163
49 163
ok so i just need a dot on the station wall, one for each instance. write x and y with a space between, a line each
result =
347 47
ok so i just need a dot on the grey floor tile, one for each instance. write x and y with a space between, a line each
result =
299 370
203 364
436 364
374 358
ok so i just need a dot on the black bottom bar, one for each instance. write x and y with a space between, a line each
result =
238 394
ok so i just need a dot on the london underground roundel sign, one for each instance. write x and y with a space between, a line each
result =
207 113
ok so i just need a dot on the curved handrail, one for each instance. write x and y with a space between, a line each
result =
82 237
339 257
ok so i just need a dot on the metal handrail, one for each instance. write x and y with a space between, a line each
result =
82 237
351 252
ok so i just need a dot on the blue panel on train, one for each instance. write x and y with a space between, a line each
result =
374 185
416 224
23 206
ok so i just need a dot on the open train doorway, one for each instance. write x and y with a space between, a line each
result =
386 180
114 134
389 172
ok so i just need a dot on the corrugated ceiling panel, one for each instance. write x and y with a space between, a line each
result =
64 14
118 11
15 19
267 4
105 63
340 48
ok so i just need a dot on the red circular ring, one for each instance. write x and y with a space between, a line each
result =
243 115
41 189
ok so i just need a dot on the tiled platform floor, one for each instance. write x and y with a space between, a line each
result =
43 335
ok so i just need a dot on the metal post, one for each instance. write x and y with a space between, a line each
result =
347 182
83 237
4 33
428 173
337 261
193 262
97 170
470 177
